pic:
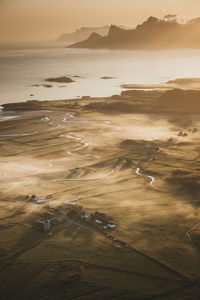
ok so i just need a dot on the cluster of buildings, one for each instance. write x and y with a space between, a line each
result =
57 215
97 219
47 221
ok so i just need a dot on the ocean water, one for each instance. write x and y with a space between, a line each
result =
21 69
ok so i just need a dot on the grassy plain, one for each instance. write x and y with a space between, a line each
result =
130 164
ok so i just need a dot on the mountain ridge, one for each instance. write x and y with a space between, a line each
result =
84 33
152 34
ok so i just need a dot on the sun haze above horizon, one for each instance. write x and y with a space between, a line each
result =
27 21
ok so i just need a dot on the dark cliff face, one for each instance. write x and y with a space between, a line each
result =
115 31
95 40
94 37
154 33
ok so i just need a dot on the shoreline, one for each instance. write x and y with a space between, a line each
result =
18 86
186 87
164 101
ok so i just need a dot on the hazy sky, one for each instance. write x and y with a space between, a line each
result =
45 19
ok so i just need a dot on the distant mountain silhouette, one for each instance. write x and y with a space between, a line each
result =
154 33
82 34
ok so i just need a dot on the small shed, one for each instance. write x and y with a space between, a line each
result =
34 198
84 214
47 225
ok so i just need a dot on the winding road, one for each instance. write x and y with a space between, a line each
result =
148 176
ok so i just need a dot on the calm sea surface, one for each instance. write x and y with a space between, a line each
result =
21 69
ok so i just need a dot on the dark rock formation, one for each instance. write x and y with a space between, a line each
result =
60 79
154 33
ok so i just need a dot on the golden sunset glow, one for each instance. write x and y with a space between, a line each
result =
99 149
27 20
